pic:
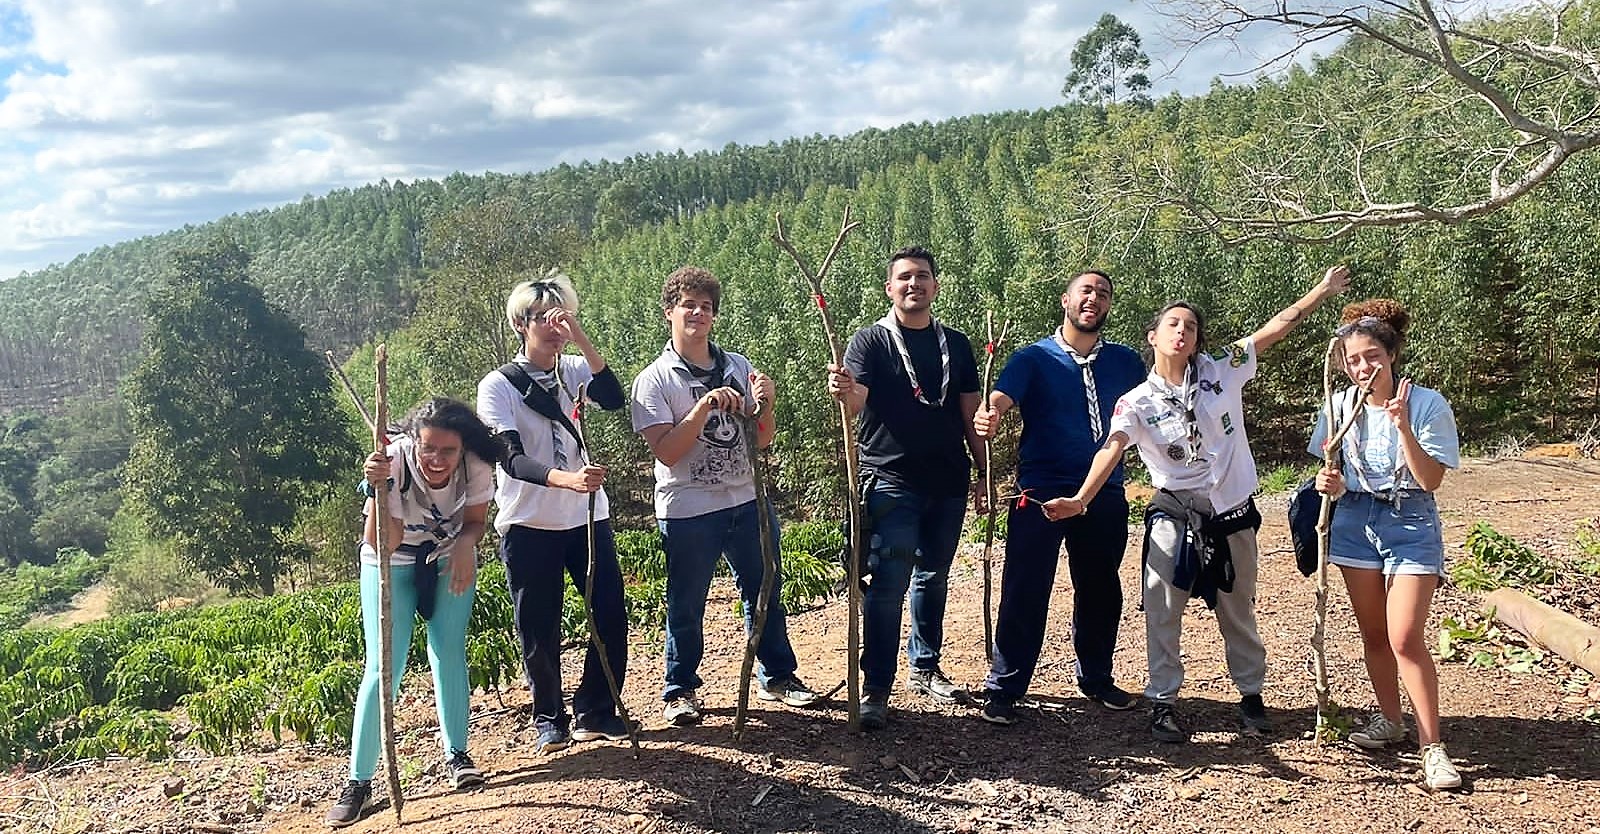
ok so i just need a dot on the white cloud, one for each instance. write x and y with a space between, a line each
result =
121 118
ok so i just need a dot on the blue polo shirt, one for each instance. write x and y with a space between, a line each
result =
1047 385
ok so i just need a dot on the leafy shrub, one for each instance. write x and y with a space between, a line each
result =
1495 560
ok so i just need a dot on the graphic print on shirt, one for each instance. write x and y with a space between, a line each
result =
437 524
721 441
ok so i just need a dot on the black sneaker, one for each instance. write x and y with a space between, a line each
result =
552 738
875 711
610 728
352 804
1164 724
999 710
935 685
463 772
1111 697
1253 715
789 690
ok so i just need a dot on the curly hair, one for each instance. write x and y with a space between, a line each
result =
1382 319
691 279
456 416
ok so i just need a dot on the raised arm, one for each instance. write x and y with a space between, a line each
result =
1336 280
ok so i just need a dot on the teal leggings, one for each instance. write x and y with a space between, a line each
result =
447 654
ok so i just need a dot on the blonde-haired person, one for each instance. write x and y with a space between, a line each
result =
543 496
1386 537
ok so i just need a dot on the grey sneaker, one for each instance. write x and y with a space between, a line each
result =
552 739
787 689
875 711
352 804
1379 733
1437 771
463 773
935 685
682 711
610 728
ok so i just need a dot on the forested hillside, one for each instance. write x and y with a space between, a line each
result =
1508 306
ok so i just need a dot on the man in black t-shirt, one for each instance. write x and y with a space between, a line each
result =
914 384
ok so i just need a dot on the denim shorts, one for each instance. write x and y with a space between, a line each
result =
1403 539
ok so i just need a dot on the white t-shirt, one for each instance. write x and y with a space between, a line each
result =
715 474
428 513
524 503
1155 418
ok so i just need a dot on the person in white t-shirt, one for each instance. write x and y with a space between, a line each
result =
543 500
1385 535
1187 421
440 471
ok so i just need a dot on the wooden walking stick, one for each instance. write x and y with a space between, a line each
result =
380 511
851 462
361 407
769 570
588 584
1332 456
990 495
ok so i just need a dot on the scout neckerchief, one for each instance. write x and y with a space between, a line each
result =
713 379
1086 364
551 382
1181 400
1359 439
889 323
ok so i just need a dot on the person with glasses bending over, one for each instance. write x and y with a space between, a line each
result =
1385 535
1187 421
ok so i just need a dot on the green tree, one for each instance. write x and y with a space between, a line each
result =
233 422
1108 66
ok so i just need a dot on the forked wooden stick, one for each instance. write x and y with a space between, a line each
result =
588 583
851 461
990 493
380 511
769 571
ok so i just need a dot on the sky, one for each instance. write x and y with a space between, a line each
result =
126 118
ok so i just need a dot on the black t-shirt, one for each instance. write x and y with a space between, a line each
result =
916 446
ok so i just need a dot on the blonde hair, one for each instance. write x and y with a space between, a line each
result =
532 297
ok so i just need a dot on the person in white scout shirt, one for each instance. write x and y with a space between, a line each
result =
1187 421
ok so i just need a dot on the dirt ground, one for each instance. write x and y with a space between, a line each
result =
1531 762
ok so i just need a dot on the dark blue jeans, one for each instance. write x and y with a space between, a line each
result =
535 560
914 539
1095 543
693 546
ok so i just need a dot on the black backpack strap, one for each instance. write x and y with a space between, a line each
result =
538 399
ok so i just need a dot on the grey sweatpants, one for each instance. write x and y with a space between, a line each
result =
1236 616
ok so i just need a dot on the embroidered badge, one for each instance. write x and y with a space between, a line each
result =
1227 423
1177 452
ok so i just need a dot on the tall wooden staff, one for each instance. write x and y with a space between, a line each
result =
990 349
769 569
380 512
588 584
851 463
1332 454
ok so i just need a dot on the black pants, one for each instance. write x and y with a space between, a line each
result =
1095 545
535 560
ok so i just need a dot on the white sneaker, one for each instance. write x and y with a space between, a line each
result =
1437 771
1379 733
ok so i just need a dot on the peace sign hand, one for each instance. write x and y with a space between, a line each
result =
1399 406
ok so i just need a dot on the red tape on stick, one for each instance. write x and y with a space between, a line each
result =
989 348
822 303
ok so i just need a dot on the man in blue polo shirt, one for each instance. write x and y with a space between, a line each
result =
1065 386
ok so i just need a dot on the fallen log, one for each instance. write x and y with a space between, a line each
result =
1573 639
